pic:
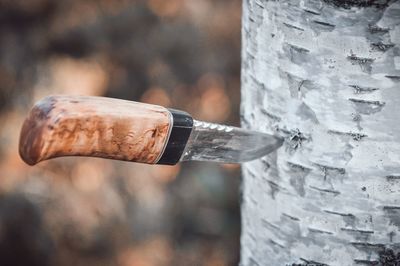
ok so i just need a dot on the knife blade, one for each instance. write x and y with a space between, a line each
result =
124 130
227 144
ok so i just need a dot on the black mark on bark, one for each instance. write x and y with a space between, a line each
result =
395 78
266 165
298 48
253 262
259 5
296 138
270 225
374 29
347 4
383 47
364 62
274 188
389 257
276 243
299 167
325 25
270 115
312 262
362 90
348 218
353 135
292 26
313 12
325 190
393 177
357 231
366 262
253 175
331 171
358 234
319 231
367 107
290 217
368 247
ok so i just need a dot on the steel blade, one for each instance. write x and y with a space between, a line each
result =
226 144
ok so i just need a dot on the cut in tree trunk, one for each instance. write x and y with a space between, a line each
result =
326 75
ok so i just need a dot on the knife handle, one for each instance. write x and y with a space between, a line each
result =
103 127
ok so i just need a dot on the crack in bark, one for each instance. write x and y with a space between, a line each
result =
389 257
276 243
362 90
339 213
270 225
354 135
296 166
325 24
380 46
314 230
270 115
259 5
275 188
391 207
312 12
335 192
360 60
367 107
348 4
312 262
253 262
296 138
395 78
293 26
330 170
365 63
357 231
368 247
298 48
376 29
366 262
393 177
290 217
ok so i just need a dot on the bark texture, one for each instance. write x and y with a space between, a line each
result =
326 75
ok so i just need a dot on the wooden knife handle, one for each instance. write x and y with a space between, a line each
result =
95 126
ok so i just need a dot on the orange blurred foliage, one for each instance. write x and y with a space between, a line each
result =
156 95
164 8
215 104
153 252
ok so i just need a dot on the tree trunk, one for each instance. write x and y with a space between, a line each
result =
326 75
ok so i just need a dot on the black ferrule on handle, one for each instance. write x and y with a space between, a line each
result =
180 132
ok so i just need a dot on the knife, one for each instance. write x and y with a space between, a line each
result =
130 131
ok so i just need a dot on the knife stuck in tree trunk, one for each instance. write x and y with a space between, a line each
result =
131 131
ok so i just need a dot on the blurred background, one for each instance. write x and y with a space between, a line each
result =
183 54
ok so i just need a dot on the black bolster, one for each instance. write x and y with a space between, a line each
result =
180 132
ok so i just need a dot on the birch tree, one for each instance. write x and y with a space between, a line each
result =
325 74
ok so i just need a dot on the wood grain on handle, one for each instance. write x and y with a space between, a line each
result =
94 126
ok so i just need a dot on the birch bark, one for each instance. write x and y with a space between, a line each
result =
326 75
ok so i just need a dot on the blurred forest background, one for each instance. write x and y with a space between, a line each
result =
183 54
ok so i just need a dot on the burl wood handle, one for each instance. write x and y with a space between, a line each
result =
95 126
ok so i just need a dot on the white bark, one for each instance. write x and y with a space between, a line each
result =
326 75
